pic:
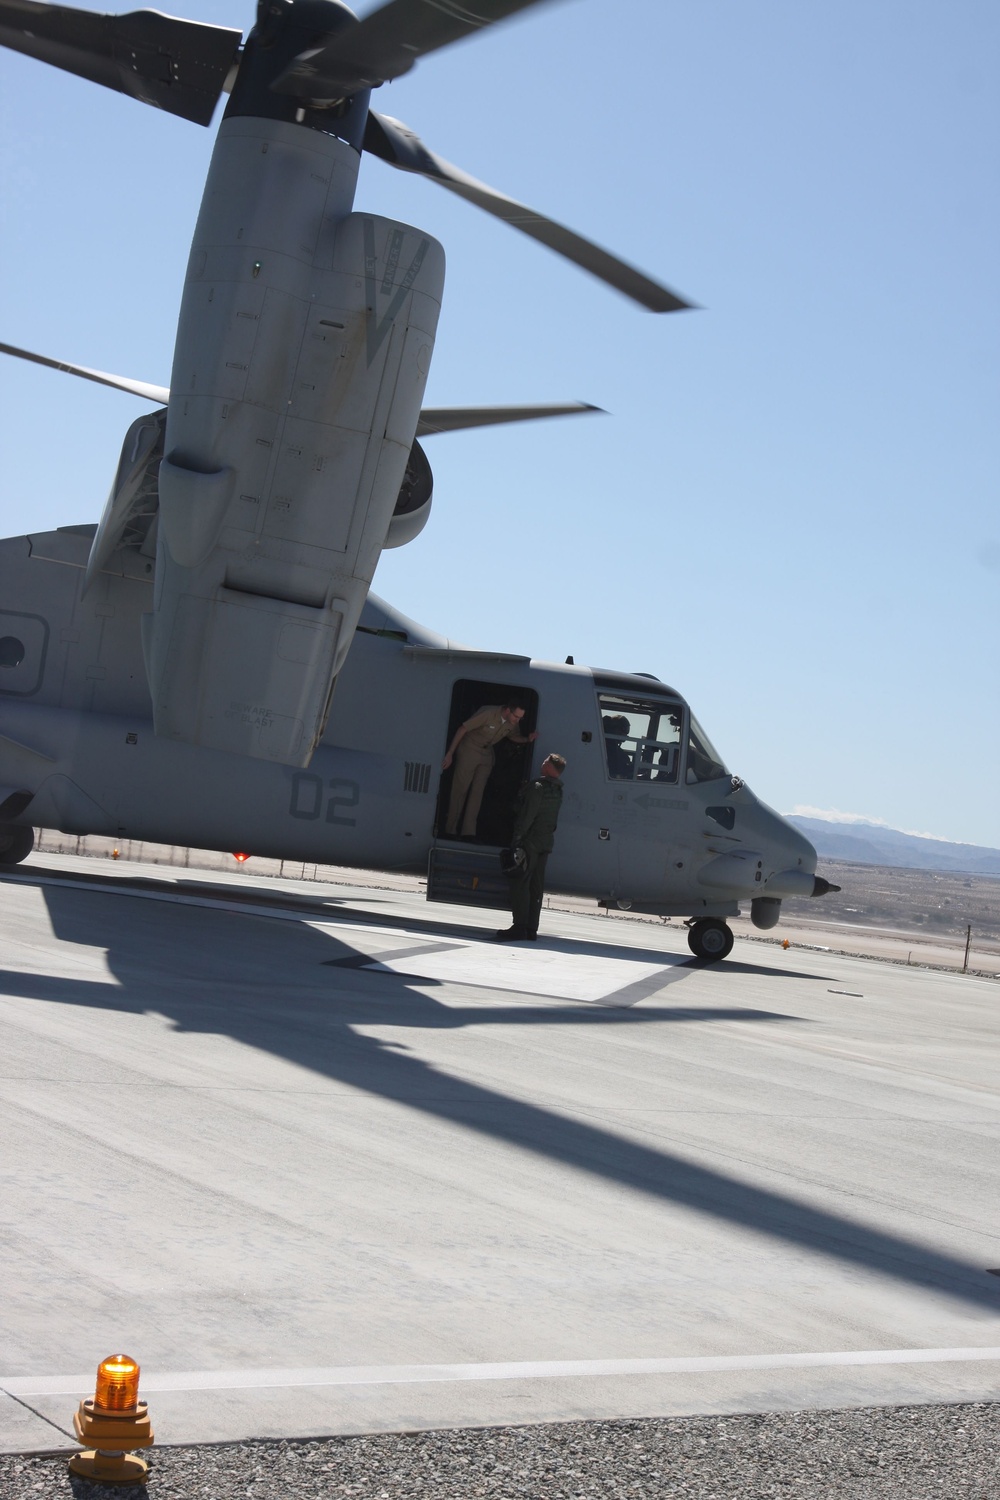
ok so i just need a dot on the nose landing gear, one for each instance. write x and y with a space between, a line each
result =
710 939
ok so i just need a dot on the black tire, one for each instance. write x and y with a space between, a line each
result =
710 940
15 844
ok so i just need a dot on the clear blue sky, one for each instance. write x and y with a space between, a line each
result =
790 514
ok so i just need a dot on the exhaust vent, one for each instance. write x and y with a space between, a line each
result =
416 777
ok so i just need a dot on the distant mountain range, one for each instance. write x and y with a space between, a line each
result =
870 844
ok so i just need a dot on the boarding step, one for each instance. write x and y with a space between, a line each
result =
467 875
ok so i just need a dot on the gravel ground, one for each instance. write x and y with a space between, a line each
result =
902 1452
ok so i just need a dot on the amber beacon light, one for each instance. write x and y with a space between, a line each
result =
113 1423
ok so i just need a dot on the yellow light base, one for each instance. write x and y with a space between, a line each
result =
113 1430
113 1434
109 1468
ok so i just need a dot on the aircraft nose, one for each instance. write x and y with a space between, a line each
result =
797 848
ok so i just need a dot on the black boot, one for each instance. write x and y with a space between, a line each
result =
513 935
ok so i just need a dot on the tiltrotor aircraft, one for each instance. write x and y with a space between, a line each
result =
169 674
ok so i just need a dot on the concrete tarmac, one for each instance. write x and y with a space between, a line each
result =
328 1160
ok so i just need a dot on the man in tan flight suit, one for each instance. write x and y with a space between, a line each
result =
472 751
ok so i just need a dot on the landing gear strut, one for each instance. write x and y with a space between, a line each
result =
15 844
710 939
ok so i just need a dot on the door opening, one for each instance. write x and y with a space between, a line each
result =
511 763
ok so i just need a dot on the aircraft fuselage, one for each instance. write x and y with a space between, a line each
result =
675 834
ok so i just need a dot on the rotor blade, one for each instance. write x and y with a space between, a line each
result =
396 143
179 66
387 43
158 393
434 419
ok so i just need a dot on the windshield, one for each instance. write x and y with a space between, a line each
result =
642 738
703 761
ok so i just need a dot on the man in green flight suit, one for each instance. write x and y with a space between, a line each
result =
534 832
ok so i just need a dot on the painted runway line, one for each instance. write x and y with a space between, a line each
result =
555 1369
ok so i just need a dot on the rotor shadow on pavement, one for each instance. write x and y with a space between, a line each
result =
223 979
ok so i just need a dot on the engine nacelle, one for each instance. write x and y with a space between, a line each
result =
413 505
302 353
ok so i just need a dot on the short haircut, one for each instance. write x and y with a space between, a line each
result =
513 703
559 761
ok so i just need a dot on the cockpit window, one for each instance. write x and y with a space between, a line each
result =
642 739
703 761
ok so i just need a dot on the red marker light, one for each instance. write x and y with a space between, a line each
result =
241 858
